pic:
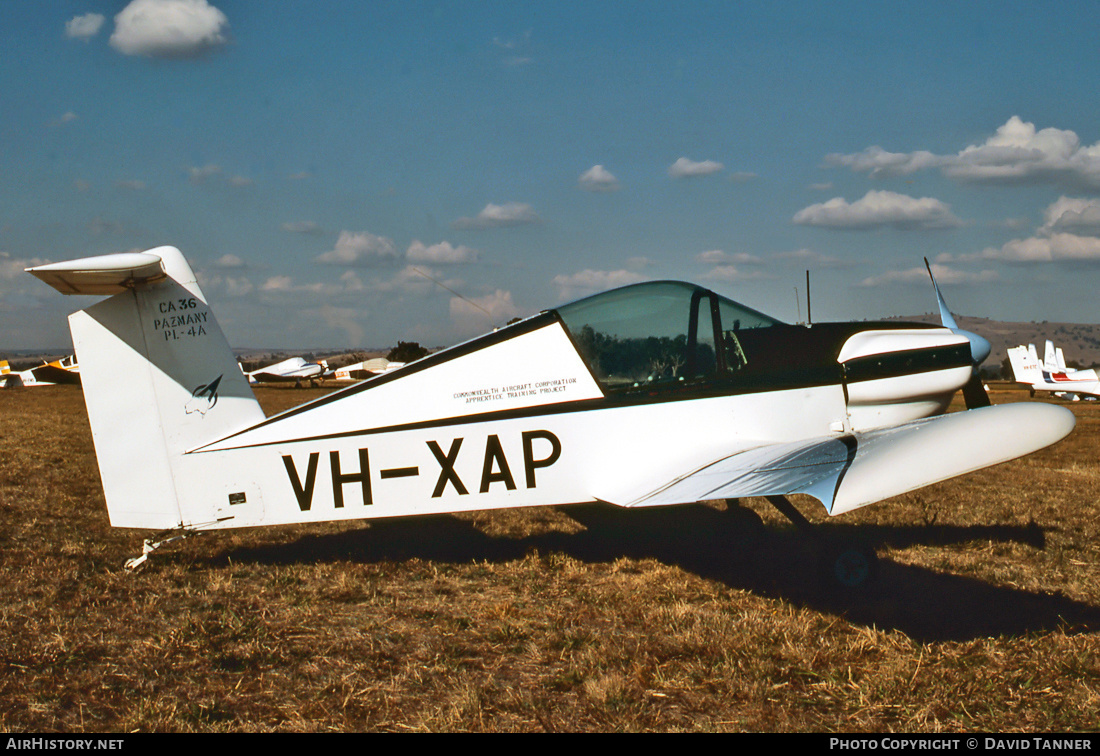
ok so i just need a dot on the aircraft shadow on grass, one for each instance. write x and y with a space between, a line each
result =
717 545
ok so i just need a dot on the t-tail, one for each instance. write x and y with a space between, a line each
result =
152 350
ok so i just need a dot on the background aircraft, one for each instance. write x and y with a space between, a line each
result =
654 394
296 370
1051 373
360 371
64 371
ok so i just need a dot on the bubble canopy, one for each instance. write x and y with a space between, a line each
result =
660 333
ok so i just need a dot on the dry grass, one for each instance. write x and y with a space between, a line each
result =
986 618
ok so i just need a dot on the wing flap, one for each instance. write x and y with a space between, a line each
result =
848 472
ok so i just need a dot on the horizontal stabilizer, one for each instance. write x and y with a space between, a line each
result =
848 472
104 275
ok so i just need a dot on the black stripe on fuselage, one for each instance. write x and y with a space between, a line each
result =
909 362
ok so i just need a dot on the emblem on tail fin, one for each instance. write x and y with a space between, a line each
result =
204 397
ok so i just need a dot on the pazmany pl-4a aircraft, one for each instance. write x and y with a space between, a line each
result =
655 394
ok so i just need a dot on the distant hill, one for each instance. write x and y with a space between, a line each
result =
1080 342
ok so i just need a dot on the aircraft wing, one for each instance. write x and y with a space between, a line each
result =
55 374
847 472
262 377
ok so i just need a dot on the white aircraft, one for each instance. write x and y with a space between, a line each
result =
366 369
62 371
1051 373
654 394
296 369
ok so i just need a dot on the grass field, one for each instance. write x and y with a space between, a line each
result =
986 615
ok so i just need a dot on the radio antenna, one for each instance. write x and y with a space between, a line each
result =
448 288
809 320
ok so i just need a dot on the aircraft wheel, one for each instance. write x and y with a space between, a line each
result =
851 567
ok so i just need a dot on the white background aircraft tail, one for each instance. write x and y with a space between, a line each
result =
1050 357
1025 364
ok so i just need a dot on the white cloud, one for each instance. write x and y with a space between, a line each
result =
84 27
301 227
229 262
415 279
877 209
919 276
718 257
1055 248
591 281
442 253
730 273
199 174
360 249
169 28
514 45
1070 233
1017 152
278 283
878 162
808 258
495 216
205 173
479 314
724 265
1066 214
684 168
12 268
227 285
346 319
598 179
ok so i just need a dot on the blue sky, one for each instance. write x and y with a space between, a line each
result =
324 165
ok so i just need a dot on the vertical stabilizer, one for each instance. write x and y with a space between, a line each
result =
159 378
1025 365
1050 357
